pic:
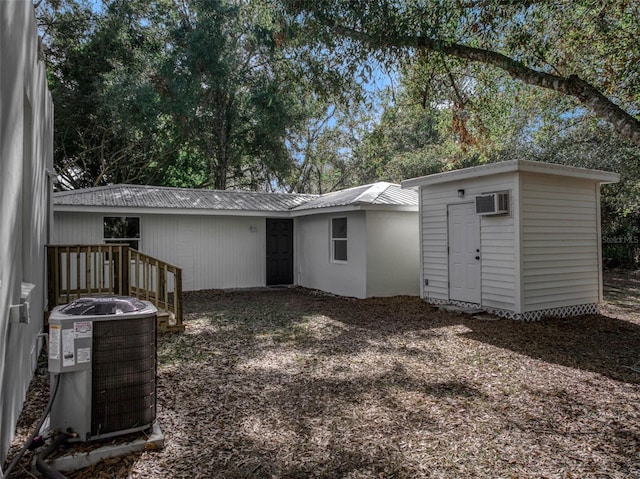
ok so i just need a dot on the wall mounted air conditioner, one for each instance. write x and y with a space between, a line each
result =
104 348
492 204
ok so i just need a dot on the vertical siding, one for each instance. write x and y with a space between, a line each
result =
77 228
560 242
214 252
497 236
26 132
392 253
314 267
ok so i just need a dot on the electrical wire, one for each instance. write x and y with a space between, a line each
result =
16 460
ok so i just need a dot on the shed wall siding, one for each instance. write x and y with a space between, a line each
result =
314 266
392 254
497 236
560 242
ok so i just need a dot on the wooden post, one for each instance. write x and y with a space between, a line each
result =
177 296
126 270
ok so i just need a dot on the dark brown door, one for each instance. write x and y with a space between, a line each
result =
279 251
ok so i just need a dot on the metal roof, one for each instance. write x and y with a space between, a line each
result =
381 193
141 196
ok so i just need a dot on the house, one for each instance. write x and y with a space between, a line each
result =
359 242
26 159
520 239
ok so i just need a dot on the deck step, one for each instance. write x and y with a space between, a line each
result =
167 322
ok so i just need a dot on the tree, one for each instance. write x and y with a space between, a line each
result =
186 93
229 91
108 126
406 142
583 49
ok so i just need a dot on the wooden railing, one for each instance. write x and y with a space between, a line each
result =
74 271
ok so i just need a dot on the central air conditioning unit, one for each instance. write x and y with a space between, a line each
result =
104 349
492 204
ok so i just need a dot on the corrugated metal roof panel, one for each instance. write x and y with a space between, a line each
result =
335 198
140 196
395 195
380 193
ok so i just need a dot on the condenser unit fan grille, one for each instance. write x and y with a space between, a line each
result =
124 375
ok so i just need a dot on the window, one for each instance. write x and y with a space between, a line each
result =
339 239
122 230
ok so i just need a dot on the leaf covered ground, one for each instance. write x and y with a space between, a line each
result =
292 383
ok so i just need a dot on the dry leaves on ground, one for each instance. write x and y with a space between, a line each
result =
292 383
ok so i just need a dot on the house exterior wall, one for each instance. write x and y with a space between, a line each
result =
560 242
213 251
392 253
26 151
498 238
314 268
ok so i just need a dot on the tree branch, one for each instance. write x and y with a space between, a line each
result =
626 124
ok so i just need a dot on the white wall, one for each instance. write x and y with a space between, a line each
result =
213 251
393 266
314 268
500 281
26 149
77 228
560 240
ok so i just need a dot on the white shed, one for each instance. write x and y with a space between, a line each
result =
359 242
520 239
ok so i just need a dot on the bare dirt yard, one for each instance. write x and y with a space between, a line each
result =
290 383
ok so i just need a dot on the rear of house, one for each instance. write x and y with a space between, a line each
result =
26 152
361 242
241 239
540 255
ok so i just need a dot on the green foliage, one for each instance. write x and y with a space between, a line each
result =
193 93
556 45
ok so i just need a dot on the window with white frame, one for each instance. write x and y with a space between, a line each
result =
122 230
339 239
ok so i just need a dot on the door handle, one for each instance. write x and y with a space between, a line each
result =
477 257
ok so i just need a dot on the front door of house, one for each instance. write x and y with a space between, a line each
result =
464 253
279 251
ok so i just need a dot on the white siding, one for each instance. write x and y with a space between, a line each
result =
77 228
314 266
560 242
499 269
392 253
26 151
214 252
498 261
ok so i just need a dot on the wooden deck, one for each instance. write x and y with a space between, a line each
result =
74 271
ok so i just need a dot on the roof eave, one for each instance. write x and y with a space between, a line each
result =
166 211
510 167
350 208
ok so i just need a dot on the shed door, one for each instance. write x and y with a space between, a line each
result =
464 253
279 251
